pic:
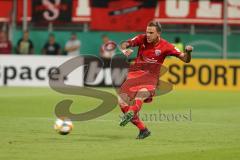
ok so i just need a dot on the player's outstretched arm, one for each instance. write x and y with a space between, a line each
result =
186 55
124 47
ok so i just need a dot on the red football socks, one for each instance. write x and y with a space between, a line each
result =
136 107
124 108
138 123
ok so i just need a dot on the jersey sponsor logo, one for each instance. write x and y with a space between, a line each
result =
149 60
157 52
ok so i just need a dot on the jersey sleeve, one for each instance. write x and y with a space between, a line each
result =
172 50
137 40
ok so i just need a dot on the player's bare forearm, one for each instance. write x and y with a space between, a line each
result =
186 55
124 47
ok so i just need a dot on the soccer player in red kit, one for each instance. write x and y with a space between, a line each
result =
143 74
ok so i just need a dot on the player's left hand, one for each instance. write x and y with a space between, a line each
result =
188 49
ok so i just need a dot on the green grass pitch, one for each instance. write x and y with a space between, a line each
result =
213 133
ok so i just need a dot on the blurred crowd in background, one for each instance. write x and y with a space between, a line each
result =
78 27
25 45
51 47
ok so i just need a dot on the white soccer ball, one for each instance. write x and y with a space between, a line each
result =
63 126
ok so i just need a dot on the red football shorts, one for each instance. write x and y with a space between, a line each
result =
137 80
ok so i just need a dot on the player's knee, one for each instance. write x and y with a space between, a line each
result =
121 103
122 100
143 94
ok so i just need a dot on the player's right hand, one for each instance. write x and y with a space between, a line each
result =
124 45
127 52
124 48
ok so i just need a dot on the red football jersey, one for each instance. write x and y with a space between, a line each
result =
150 57
144 73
